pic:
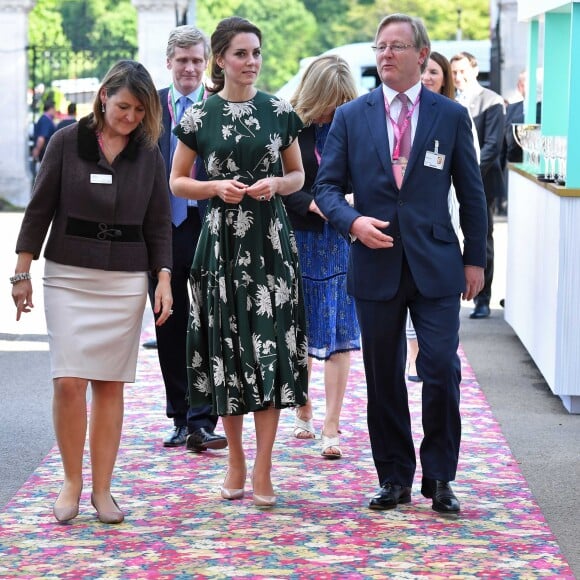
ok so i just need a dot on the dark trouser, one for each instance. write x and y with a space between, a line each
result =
485 294
172 336
382 325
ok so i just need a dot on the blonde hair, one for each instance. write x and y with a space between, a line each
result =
327 83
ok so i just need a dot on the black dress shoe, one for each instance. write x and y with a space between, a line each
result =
444 500
177 437
481 310
202 439
389 496
150 343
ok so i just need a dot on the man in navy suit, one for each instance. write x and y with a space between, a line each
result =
187 56
405 254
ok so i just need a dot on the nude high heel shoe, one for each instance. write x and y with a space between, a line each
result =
231 493
264 501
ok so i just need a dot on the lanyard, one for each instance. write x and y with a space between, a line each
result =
171 105
398 131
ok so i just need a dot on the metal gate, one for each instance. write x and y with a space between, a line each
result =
75 75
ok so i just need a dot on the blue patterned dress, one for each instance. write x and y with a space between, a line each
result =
330 311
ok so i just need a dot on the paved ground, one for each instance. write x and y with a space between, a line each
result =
543 437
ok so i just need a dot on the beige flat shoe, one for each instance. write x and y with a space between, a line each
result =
112 517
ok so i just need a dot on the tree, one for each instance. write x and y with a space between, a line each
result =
292 29
45 30
329 15
79 19
75 39
116 34
440 17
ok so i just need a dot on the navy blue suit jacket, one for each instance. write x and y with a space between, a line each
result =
165 146
357 151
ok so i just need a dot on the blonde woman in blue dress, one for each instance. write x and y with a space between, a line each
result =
333 330
247 345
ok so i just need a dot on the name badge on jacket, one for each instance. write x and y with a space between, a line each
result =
105 178
434 159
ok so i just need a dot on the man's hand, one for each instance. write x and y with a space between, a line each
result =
474 281
368 231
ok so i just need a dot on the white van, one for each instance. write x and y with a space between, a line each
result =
361 60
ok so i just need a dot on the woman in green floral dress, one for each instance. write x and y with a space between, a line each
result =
247 345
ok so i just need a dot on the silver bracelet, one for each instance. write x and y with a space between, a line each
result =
19 277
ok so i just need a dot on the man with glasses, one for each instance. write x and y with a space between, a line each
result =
399 147
488 112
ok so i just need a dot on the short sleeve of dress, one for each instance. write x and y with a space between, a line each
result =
192 120
291 119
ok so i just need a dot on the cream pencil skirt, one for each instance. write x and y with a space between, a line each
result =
94 320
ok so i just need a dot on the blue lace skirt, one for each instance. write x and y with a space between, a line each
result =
330 311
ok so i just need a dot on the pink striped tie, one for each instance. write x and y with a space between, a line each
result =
405 140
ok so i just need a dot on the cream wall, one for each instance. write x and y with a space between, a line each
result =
14 173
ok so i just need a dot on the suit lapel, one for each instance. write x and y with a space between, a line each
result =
377 124
427 117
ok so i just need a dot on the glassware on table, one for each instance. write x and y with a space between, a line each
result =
561 154
549 155
526 136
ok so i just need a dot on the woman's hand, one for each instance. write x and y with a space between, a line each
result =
230 190
263 190
163 298
22 296
22 290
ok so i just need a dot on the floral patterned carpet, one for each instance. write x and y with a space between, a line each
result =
177 527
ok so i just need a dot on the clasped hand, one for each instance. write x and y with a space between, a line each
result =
233 191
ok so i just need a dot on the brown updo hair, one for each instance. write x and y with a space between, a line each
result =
220 42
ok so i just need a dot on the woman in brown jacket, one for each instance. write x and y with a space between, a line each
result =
102 188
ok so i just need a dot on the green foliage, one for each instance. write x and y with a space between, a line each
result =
329 15
292 29
79 38
79 19
45 25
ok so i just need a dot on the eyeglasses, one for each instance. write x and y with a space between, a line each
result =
394 46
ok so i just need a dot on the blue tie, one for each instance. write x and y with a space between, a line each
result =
179 204
184 104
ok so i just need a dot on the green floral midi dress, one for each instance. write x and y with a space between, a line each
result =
246 346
